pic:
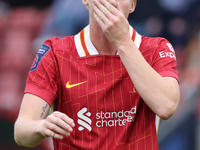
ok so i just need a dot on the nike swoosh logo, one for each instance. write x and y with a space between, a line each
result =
73 85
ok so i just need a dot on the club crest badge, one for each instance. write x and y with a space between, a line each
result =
42 51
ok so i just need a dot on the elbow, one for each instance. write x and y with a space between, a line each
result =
16 136
20 142
17 142
22 138
165 116
168 110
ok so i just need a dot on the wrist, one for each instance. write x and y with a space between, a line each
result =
126 47
39 128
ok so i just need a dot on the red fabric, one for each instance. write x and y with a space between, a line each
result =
115 115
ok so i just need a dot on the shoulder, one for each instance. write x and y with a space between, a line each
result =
153 41
61 47
56 43
156 48
156 44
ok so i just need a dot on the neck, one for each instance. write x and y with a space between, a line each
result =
100 41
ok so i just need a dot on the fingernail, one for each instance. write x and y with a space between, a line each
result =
73 124
68 134
70 129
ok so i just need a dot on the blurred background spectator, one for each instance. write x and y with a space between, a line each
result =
20 24
25 25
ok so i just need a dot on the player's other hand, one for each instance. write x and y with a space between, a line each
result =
112 20
56 125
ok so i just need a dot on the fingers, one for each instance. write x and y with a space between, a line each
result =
113 3
65 119
102 14
107 13
104 8
112 20
60 129
99 15
57 125
50 133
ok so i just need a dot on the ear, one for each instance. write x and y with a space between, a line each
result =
85 3
133 5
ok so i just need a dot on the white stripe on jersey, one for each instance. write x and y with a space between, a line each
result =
92 50
157 123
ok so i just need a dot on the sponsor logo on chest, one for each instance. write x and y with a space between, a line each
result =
104 119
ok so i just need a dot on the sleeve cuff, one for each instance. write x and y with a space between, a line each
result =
40 92
169 74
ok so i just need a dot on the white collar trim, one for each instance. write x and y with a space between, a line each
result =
90 47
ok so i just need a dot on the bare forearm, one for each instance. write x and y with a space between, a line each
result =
32 125
155 90
26 133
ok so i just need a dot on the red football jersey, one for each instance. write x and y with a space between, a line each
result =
97 93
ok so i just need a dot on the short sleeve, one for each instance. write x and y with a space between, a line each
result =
43 78
164 61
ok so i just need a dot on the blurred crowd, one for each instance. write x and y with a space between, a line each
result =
25 25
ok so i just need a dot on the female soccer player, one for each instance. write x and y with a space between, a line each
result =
106 84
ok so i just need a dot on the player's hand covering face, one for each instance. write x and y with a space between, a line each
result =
111 16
